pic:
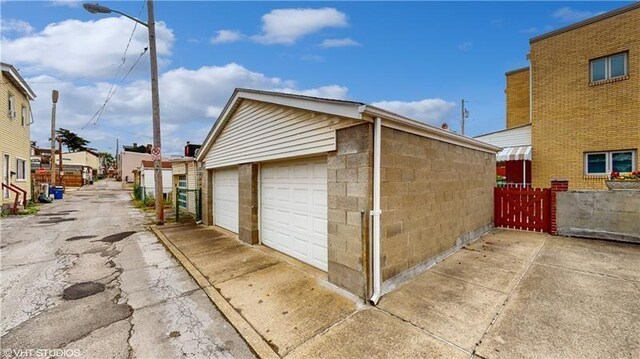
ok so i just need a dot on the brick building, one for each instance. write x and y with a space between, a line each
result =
581 95
365 195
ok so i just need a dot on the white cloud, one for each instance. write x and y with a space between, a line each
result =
286 26
69 3
570 15
465 46
339 42
20 27
433 111
535 29
226 36
83 49
190 100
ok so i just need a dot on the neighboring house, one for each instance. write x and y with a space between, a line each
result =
129 161
328 181
186 177
581 96
514 161
89 160
15 141
147 178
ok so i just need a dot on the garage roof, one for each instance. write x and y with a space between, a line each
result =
341 108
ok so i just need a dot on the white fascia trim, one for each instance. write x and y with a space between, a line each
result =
18 79
337 108
401 123
341 109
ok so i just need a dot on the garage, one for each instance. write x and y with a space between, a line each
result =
225 192
367 196
293 209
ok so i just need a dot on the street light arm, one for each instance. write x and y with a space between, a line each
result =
131 17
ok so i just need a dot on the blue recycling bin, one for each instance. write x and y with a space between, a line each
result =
56 192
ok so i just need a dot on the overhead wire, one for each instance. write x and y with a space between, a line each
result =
113 89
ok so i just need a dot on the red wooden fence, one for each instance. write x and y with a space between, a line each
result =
523 208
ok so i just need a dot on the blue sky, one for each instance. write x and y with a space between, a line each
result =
416 58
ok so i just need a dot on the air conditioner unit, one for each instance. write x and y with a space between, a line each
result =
12 114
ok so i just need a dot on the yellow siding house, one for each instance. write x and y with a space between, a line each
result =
15 123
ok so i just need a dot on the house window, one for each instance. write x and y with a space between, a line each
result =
609 67
601 163
12 106
21 169
23 115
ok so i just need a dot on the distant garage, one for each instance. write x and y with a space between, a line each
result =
368 196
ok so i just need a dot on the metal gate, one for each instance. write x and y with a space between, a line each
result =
523 208
188 202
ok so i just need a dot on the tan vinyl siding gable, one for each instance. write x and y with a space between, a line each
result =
179 168
14 137
259 131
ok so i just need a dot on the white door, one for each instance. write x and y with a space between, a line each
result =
225 198
293 209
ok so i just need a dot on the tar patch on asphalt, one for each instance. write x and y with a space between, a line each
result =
77 238
55 220
81 290
117 237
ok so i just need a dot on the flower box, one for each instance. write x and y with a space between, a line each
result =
623 184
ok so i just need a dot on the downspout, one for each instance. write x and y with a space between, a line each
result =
375 213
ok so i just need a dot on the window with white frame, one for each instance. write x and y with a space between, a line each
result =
21 169
23 115
609 67
601 163
12 106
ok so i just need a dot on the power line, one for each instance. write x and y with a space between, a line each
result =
113 87
98 113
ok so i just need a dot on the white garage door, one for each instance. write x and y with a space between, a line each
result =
225 198
293 205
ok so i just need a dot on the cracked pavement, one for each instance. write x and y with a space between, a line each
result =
150 307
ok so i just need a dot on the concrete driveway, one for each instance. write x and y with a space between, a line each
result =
523 295
509 294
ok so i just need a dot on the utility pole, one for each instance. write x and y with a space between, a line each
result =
155 103
155 97
464 114
52 157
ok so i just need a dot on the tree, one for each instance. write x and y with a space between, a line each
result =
107 158
72 141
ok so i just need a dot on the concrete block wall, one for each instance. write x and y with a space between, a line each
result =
612 215
571 116
349 194
434 196
207 196
248 203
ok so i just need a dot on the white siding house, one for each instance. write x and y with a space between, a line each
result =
147 178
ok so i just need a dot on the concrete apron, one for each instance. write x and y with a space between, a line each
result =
471 303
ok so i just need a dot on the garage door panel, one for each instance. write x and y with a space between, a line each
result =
225 201
294 209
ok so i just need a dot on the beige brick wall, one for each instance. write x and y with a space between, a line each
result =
349 194
248 203
570 117
432 195
517 94
14 137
